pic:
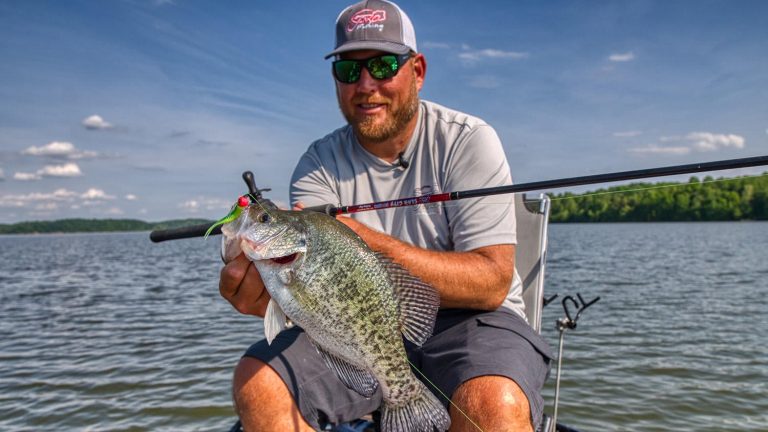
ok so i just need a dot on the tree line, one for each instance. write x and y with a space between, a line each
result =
710 199
94 225
722 199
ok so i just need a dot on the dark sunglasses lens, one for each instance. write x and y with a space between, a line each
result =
383 67
346 71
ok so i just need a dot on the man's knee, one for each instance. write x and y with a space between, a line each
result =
260 394
249 382
248 372
493 403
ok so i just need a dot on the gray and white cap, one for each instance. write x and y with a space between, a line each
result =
374 24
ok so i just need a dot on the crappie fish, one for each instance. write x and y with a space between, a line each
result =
354 304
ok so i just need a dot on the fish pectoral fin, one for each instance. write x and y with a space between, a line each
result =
357 379
275 321
418 301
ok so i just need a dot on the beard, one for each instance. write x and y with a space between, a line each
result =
371 130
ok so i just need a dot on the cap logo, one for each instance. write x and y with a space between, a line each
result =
367 18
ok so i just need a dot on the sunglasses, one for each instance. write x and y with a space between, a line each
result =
379 67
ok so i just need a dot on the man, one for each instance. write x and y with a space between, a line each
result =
482 353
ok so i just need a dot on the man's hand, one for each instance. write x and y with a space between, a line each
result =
242 286
358 227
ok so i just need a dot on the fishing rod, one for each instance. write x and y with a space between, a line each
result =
329 209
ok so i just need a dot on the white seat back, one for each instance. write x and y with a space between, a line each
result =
532 214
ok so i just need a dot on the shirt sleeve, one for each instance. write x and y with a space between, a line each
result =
476 161
311 184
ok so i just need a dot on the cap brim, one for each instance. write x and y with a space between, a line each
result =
389 47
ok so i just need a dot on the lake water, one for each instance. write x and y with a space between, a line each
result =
112 332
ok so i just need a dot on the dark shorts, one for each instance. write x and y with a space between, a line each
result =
466 344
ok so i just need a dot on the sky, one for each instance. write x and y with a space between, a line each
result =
152 109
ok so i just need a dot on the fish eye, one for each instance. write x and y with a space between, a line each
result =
264 217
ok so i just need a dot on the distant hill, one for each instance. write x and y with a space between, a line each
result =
94 225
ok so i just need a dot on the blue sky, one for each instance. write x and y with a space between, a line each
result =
152 109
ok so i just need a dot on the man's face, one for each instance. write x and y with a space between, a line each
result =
378 109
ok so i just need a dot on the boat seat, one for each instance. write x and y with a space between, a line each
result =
532 212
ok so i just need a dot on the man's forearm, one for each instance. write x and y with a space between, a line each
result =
477 279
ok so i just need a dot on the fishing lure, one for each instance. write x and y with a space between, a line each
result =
237 209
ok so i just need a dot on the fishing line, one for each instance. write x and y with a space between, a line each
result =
263 208
662 186
452 204
444 395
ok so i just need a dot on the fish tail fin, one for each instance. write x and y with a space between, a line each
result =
423 413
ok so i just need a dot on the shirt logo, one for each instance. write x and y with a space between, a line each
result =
424 206
367 18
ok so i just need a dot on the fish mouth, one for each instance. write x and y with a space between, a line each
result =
263 251
285 259
259 249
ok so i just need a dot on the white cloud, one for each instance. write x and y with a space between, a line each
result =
62 194
656 149
55 148
693 141
131 197
22 176
94 194
627 134
59 149
622 57
472 56
10 201
37 202
706 141
95 122
66 170
2 174
59 195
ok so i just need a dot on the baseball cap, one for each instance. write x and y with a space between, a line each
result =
374 24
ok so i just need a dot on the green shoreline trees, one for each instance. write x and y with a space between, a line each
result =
722 199
94 225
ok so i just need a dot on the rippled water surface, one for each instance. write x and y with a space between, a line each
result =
678 339
112 332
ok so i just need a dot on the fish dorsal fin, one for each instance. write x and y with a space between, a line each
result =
357 379
274 321
418 301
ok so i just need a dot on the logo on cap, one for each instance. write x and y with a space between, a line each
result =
367 18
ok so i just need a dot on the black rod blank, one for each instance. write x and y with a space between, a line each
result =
199 230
